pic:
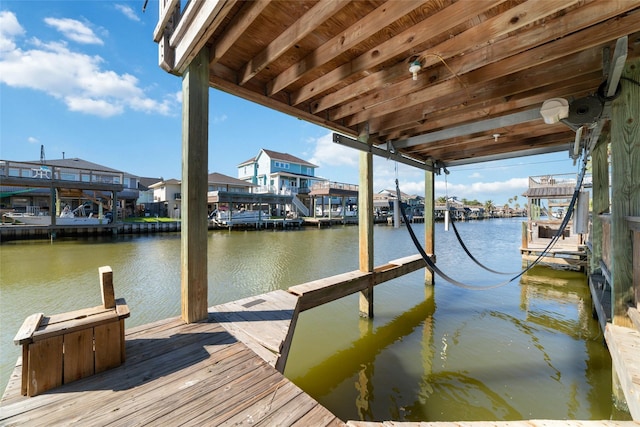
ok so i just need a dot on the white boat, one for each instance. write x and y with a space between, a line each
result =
30 219
243 216
66 218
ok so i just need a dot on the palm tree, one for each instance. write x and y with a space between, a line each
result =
488 205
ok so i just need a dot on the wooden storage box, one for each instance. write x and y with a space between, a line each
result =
65 347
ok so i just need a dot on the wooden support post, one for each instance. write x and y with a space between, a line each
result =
195 124
625 185
600 189
54 202
365 223
429 222
106 286
57 203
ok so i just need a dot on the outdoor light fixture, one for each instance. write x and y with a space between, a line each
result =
414 68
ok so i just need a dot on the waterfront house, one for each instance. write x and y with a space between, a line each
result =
168 198
167 194
145 193
26 186
281 173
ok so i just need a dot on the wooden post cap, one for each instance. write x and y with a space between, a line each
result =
106 286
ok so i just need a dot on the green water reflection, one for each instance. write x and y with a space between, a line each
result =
526 350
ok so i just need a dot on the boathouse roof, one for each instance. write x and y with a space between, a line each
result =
551 192
480 70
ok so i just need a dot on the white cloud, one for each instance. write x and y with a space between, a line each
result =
475 175
32 140
96 107
77 79
74 30
219 119
10 28
128 12
498 191
328 153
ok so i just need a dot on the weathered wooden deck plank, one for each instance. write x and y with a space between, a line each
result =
216 393
262 322
107 388
174 374
624 346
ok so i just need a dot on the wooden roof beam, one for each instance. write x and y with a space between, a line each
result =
243 20
351 37
593 36
513 136
497 122
397 46
188 38
481 34
456 107
315 17
510 155
475 150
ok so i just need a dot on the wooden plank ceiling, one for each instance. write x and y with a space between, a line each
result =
345 65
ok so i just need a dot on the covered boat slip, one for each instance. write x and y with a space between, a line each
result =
432 84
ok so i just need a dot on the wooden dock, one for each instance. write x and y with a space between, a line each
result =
265 223
176 373
561 257
34 232
265 323
623 342
328 222
215 372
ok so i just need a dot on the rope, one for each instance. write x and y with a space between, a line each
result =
431 265
455 230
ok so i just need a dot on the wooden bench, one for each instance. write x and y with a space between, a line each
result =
65 347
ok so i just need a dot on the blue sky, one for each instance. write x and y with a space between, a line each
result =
81 78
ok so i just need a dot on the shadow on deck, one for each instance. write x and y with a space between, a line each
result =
175 374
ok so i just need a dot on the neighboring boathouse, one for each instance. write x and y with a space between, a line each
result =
429 84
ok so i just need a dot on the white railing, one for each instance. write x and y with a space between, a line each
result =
563 180
300 206
334 185
62 173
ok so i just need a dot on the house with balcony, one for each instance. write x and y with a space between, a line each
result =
281 173
273 172
26 186
223 192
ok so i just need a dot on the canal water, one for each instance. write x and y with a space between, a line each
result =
526 350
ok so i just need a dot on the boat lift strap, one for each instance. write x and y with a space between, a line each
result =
432 266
